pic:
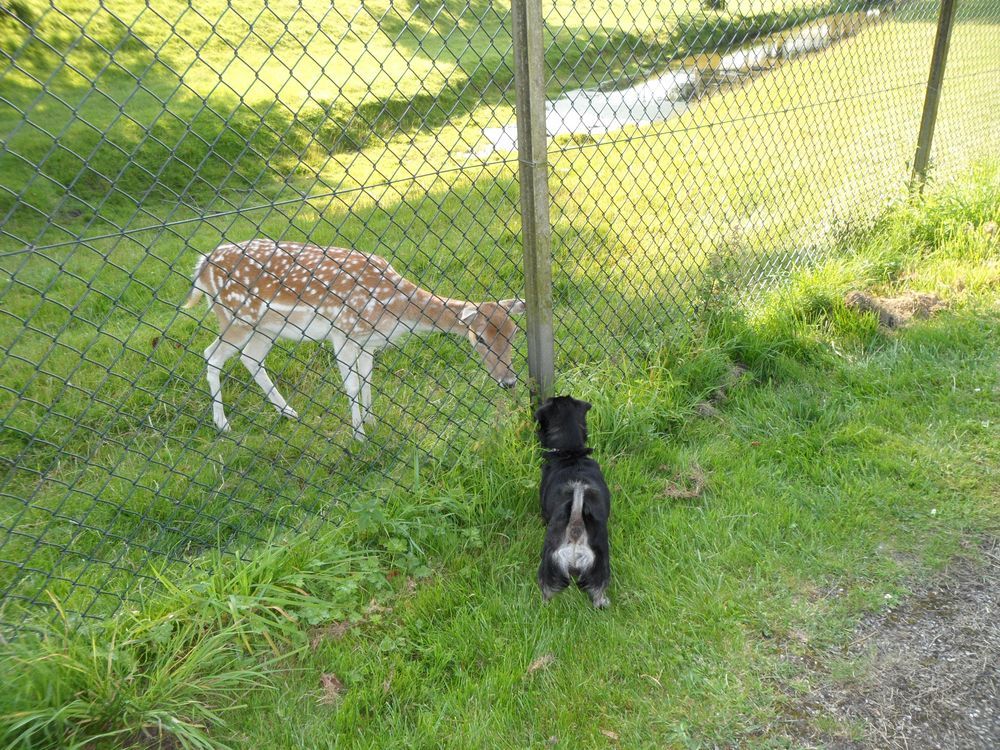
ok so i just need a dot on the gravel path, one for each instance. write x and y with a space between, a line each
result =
929 673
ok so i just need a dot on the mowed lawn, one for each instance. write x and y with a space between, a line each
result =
161 102
104 406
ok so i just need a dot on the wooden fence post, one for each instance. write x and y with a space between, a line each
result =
933 95
533 172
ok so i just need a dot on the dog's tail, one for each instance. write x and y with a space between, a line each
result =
576 528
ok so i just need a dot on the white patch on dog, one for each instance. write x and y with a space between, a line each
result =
574 556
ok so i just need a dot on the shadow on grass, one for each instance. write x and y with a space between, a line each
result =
117 130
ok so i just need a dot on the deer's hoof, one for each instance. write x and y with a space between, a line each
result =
289 412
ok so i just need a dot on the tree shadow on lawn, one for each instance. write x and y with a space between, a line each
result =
118 129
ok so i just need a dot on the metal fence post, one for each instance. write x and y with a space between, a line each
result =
533 170
934 80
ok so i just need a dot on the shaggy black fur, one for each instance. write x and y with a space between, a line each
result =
576 504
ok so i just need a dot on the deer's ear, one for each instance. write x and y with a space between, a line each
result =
468 313
512 306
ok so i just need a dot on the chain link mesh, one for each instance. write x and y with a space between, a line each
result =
137 136
768 131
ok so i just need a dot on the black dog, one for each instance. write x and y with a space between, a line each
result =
576 504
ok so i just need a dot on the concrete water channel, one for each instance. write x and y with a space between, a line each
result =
598 111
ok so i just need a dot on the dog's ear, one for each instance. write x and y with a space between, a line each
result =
542 411
585 405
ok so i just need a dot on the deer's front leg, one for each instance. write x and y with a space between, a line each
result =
366 364
348 354
253 359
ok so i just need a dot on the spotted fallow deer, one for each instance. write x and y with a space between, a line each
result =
263 290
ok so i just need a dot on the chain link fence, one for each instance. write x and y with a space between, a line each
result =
139 136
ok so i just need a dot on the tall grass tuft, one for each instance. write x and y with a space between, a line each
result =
164 674
121 687
271 593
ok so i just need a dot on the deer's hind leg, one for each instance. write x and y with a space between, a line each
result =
366 365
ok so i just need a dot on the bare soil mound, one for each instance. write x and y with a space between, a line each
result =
894 312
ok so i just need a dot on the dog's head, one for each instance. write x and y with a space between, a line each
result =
562 423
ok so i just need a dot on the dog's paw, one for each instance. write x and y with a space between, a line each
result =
600 600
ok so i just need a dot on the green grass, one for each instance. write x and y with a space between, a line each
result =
248 99
169 671
267 101
853 459
849 460
844 442
101 387
121 689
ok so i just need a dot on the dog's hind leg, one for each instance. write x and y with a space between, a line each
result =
598 598
551 580
595 581
548 592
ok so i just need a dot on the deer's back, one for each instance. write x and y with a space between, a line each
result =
262 282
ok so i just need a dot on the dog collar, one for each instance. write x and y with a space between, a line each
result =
568 453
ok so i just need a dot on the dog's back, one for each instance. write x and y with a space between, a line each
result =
583 471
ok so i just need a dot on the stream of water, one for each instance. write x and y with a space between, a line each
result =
595 112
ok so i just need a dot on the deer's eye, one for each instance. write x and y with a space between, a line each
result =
482 341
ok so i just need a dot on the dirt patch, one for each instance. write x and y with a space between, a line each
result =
331 688
735 374
335 631
924 674
895 312
686 488
542 662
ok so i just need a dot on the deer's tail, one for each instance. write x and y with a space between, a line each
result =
196 291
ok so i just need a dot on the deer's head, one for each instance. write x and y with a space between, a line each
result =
491 333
